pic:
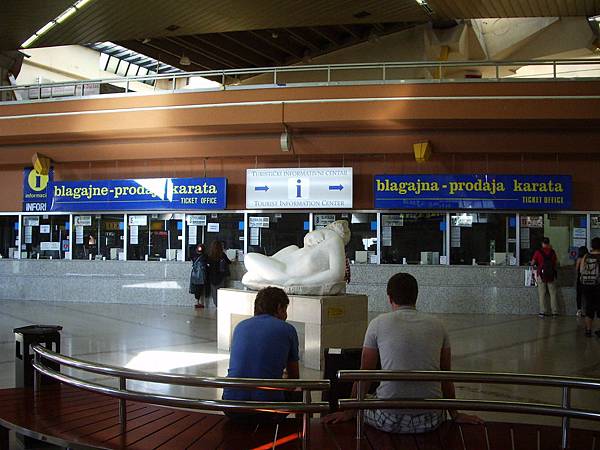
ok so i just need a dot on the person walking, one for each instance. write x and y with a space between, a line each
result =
199 276
583 250
589 273
544 260
218 268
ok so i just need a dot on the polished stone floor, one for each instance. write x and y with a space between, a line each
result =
180 339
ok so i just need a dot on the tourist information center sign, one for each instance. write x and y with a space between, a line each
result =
322 187
510 192
149 194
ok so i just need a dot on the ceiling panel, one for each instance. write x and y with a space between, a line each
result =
468 9
20 19
114 20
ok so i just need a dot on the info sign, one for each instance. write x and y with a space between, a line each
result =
445 191
322 187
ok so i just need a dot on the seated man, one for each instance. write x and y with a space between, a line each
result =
406 339
263 347
315 269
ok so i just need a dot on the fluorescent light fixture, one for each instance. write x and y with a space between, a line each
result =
65 15
81 3
45 28
29 41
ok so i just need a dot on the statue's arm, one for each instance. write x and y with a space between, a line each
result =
281 254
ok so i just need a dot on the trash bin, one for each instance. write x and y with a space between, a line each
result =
25 337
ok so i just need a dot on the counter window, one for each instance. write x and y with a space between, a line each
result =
9 234
567 232
412 238
45 236
98 236
207 228
155 237
483 238
269 233
362 247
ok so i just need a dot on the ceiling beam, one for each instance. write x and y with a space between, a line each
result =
348 29
326 36
242 57
250 48
162 54
201 52
302 40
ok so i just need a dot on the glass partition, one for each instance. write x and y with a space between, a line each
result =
45 236
9 234
413 238
207 228
98 236
362 247
483 238
270 232
155 237
567 232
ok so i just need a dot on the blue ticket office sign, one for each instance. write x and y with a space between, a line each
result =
507 192
140 194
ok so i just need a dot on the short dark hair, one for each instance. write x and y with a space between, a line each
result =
596 243
582 251
546 241
268 300
403 289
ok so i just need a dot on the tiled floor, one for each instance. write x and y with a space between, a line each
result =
184 340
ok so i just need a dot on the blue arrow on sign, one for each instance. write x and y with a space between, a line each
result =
336 188
261 188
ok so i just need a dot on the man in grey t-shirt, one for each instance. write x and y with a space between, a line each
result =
406 339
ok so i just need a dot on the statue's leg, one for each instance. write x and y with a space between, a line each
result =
261 266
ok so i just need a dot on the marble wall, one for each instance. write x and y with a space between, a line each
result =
448 289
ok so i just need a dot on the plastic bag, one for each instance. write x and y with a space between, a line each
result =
530 277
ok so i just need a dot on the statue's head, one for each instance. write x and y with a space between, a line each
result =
341 228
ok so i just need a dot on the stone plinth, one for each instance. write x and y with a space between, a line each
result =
329 321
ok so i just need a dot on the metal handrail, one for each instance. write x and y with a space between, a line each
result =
305 408
563 410
179 379
275 72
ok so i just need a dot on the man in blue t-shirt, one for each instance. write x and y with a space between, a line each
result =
263 347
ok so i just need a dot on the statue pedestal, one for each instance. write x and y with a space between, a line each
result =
329 321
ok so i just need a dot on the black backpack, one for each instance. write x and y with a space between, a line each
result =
548 272
589 272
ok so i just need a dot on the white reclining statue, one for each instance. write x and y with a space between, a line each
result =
316 269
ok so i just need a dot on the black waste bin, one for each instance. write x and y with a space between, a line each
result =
45 335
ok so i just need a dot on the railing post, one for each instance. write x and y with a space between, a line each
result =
127 87
37 376
359 413
123 405
566 404
174 81
306 399
554 68
275 76
383 75
497 72
328 74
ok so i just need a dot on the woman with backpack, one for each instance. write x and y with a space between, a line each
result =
581 252
218 268
589 273
544 260
199 275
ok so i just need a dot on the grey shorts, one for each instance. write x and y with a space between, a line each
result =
392 422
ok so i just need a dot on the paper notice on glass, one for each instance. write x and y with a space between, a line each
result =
386 232
254 236
525 238
579 243
44 229
133 234
192 234
386 242
455 237
212 227
79 234
28 231
579 233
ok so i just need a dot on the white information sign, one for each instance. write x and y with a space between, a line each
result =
44 229
192 234
50 246
79 234
212 227
85 221
28 234
393 220
138 221
258 222
455 237
579 233
133 234
322 220
321 187
254 236
31 221
196 219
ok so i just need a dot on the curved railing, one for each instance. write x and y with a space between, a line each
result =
563 410
319 75
305 408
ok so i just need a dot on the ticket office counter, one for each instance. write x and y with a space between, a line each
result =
378 237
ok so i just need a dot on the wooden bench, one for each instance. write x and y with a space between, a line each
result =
78 419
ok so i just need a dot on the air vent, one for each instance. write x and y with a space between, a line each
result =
362 14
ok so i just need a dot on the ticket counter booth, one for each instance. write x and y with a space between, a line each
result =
45 236
9 236
227 228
